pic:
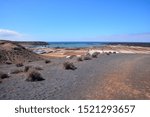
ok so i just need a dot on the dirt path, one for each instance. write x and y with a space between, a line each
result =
120 82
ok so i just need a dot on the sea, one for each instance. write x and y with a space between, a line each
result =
92 44
75 44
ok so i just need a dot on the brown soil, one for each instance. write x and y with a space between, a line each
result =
10 51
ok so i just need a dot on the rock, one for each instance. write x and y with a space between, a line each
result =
70 57
39 51
8 62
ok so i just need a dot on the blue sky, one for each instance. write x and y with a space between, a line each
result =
75 20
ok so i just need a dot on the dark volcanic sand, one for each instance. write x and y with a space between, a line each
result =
116 76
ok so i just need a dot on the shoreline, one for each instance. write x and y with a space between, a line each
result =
64 52
41 49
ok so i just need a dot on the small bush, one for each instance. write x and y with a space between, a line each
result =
95 54
3 75
26 69
34 76
16 71
19 64
107 53
79 59
47 61
87 57
38 68
69 66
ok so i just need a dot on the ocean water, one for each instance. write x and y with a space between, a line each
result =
92 44
74 44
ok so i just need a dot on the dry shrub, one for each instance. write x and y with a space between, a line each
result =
16 71
107 53
38 68
3 75
87 57
19 64
69 66
26 69
79 59
95 54
47 61
34 76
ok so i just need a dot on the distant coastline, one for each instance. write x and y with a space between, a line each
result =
94 44
27 43
33 42
76 44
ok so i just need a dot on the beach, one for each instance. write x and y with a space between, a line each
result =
117 72
64 52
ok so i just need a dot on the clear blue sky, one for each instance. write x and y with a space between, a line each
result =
75 20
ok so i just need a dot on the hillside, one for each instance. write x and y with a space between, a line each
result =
13 52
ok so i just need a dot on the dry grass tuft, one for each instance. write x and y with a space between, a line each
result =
69 66
38 68
107 53
3 75
79 59
26 69
19 64
47 61
87 57
34 76
16 71
95 54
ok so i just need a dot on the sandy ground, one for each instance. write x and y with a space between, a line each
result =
55 53
114 76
